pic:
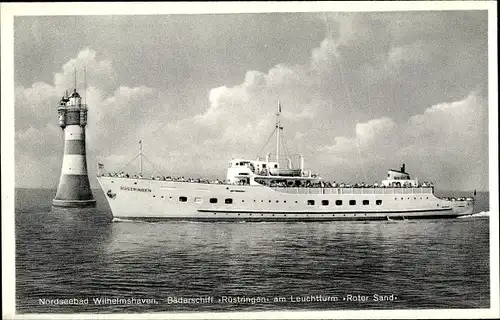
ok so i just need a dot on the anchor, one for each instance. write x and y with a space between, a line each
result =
110 194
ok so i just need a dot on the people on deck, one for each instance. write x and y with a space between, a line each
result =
283 183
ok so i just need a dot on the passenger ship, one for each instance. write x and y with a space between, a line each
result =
263 190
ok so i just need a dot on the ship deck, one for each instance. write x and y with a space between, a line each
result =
352 190
317 189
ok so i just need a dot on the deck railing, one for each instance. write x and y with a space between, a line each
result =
352 191
303 190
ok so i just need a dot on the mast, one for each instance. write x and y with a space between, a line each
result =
278 128
85 84
140 157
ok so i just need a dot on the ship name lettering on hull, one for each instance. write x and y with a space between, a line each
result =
135 189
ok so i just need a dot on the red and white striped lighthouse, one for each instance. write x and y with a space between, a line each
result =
74 187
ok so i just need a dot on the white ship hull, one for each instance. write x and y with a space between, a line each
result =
156 199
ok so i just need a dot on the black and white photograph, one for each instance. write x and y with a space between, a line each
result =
250 160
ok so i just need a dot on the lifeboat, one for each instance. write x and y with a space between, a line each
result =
285 172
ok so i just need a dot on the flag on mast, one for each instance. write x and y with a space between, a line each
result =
100 166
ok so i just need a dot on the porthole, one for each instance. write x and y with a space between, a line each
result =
352 202
325 202
310 202
213 200
366 202
338 202
183 199
228 201
378 202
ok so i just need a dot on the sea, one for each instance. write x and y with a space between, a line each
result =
68 263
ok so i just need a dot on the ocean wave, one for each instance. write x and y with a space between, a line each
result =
479 214
126 220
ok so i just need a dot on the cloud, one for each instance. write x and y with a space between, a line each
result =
323 55
238 119
367 134
38 139
376 90
38 155
448 140
99 71
417 52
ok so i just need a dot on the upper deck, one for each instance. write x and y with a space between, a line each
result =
317 188
354 190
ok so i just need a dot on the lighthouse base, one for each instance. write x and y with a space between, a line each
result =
74 203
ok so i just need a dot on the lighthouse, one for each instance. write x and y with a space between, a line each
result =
74 187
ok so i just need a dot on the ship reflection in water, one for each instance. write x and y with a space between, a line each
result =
245 266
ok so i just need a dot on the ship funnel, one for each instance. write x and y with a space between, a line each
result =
403 168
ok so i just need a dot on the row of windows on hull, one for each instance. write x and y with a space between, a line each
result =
309 202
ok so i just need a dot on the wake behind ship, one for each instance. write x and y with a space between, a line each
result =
264 190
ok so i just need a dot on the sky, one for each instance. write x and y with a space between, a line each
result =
361 92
